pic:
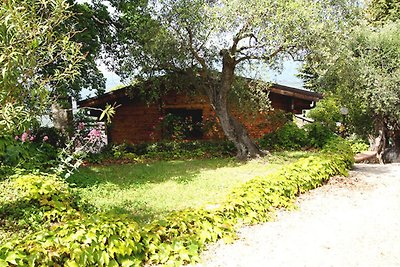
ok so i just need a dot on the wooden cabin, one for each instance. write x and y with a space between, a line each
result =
137 121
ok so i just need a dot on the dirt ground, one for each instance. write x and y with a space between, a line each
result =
353 221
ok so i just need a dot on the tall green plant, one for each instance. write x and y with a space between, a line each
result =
30 41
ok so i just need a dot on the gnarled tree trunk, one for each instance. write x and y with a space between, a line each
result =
387 144
234 130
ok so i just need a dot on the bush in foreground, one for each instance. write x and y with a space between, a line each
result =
181 236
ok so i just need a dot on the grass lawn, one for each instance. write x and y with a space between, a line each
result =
147 191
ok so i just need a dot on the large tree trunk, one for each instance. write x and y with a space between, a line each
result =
234 130
387 144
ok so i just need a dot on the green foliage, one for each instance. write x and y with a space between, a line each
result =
381 11
179 237
177 127
291 137
92 29
177 33
327 112
363 71
165 150
15 119
318 134
83 242
288 137
34 202
191 149
26 154
50 135
358 145
29 43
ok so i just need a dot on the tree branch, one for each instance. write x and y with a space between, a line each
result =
240 36
195 53
268 57
243 48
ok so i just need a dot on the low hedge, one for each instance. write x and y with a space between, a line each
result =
181 236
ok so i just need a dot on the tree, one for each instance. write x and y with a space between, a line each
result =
30 41
211 40
365 73
92 26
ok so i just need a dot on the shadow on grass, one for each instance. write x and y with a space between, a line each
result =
145 173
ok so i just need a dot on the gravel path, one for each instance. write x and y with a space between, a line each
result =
351 221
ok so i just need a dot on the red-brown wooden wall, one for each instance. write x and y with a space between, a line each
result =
137 122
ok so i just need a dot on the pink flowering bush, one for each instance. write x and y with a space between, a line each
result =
25 136
26 151
89 139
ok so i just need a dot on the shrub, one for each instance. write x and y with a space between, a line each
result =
288 137
21 152
327 112
51 136
165 150
318 134
177 239
183 149
358 145
291 137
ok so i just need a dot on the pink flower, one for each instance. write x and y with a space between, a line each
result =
94 135
31 138
81 126
16 137
24 136
45 138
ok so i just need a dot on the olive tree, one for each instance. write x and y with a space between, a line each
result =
363 71
214 39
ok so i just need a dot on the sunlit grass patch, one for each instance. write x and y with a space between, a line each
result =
147 191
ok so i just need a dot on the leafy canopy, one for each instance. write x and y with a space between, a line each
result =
379 11
92 26
363 71
181 35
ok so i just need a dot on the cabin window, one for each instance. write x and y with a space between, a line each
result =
180 123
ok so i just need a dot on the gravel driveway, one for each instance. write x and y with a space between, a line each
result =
351 221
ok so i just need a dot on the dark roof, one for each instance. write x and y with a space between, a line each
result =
108 97
295 92
113 96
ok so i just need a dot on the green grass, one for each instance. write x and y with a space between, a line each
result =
148 191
